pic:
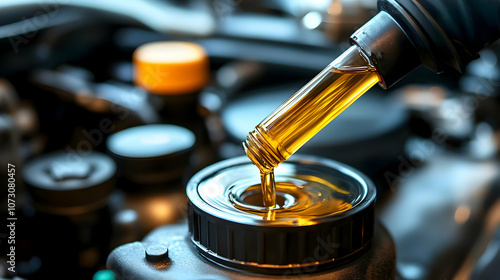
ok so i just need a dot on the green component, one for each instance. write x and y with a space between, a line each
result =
104 275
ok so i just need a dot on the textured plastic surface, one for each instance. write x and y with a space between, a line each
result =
435 33
456 30
129 262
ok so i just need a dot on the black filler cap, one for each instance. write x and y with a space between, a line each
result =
151 154
228 236
61 181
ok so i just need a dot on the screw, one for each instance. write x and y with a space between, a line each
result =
157 253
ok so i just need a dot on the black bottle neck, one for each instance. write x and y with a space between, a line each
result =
435 33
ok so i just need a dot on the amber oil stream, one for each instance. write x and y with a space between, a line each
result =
304 114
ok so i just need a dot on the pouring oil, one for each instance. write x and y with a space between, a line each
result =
301 198
304 114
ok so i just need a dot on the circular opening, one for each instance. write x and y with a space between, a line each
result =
250 199
307 192
255 198
318 201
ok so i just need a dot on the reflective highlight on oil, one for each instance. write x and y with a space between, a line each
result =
306 192
303 196
303 115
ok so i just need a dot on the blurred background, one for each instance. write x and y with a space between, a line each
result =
101 160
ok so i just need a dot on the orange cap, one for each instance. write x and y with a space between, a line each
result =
170 67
